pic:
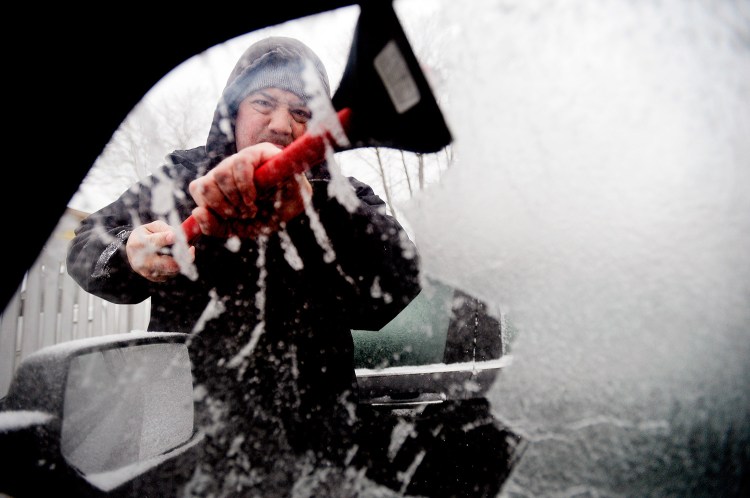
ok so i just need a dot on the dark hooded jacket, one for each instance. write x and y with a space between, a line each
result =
270 320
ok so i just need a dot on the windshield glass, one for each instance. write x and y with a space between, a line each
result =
591 200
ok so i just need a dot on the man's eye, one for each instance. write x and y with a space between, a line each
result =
301 116
262 104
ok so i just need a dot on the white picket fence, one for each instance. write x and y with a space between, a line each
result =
50 307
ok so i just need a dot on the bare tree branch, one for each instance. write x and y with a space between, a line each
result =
406 174
386 187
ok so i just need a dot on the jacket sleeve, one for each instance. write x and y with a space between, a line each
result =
96 257
361 256
97 260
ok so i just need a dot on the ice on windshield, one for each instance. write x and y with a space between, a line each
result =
594 194
597 197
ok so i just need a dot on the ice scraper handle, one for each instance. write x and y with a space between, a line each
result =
305 152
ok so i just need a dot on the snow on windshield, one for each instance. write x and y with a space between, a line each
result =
595 197
598 200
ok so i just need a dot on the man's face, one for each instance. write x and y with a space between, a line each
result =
271 115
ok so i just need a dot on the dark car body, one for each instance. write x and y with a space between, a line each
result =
87 416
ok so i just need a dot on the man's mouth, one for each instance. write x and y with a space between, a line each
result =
280 144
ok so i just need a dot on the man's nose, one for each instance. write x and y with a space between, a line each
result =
280 121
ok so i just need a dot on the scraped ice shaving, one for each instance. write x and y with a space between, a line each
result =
318 229
14 420
400 433
233 243
290 252
324 115
339 186
239 360
213 309
405 476
377 292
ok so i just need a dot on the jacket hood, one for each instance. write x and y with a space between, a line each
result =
277 62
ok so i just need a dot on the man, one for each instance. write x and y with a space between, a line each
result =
274 284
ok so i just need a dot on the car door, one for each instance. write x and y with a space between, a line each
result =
423 381
443 346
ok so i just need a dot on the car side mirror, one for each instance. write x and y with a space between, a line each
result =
93 415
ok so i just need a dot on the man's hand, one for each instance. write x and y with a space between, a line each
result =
229 205
144 250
